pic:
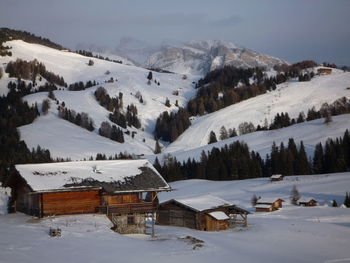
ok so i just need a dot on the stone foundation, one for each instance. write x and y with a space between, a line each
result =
129 223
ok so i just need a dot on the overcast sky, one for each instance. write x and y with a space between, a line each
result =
290 29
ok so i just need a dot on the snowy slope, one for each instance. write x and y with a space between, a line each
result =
64 139
315 234
310 133
291 97
56 135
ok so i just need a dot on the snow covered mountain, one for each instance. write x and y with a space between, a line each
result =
65 139
200 57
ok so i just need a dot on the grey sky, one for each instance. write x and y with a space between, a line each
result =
289 29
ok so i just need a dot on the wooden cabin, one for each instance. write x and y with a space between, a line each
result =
268 205
324 71
263 208
307 202
276 177
124 190
206 213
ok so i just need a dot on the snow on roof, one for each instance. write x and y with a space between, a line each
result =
203 202
218 215
116 175
267 200
276 176
305 200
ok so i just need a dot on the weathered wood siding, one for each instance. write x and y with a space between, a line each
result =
70 202
25 202
122 199
260 209
173 215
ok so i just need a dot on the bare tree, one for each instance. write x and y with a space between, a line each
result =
294 195
254 200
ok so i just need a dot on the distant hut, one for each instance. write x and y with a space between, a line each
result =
268 204
276 177
206 213
307 202
324 71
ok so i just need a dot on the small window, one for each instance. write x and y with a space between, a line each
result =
131 220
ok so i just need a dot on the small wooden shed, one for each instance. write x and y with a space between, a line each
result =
307 202
268 204
276 177
206 213
324 71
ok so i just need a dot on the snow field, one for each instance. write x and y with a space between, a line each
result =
291 234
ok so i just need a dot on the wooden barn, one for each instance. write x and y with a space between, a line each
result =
307 202
268 204
206 213
276 177
324 71
124 190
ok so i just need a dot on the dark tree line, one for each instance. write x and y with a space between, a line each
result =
236 162
91 55
170 126
281 120
30 70
81 119
111 131
334 156
14 113
23 89
7 34
81 86
115 105
120 156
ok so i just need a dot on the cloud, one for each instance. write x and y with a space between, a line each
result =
232 20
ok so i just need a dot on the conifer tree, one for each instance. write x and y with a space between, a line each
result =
304 167
157 148
223 133
334 204
212 137
150 76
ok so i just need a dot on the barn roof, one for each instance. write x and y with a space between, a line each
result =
113 176
201 203
268 200
276 176
306 200
218 215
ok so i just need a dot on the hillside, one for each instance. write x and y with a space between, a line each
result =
301 234
66 140
292 97
310 133
129 80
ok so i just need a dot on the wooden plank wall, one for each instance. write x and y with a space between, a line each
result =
211 224
71 202
174 215
122 199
